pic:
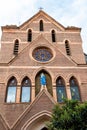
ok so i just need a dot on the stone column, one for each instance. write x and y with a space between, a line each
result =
68 91
32 92
54 92
18 93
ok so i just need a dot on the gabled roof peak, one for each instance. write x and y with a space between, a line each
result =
43 13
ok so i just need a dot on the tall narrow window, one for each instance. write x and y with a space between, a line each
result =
25 90
74 88
53 36
60 87
41 25
16 46
67 48
11 90
29 35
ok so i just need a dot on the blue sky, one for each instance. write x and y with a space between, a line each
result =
66 12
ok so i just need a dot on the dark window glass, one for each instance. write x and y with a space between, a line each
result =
25 90
16 46
44 128
29 35
61 92
67 48
11 90
74 89
53 36
41 25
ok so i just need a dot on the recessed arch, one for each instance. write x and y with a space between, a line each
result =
25 90
10 76
73 75
48 82
60 89
28 76
62 76
11 90
74 89
38 121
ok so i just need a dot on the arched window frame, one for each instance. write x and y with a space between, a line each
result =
16 47
11 90
67 47
74 89
53 36
41 25
29 35
25 88
60 89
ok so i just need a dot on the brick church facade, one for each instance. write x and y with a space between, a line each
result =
39 48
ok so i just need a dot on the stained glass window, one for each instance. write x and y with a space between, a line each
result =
42 54
74 89
61 92
25 90
11 90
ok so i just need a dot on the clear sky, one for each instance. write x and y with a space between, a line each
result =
66 12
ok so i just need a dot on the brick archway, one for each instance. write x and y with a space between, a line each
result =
38 123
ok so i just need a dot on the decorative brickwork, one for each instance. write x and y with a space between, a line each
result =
31 35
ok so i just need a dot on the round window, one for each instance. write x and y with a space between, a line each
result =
42 54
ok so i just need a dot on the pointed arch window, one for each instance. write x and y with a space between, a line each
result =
53 36
29 35
60 88
74 88
16 47
67 48
11 90
25 90
41 25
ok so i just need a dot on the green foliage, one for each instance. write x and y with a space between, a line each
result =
71 116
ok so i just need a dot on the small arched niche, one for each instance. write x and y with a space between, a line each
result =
48 82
